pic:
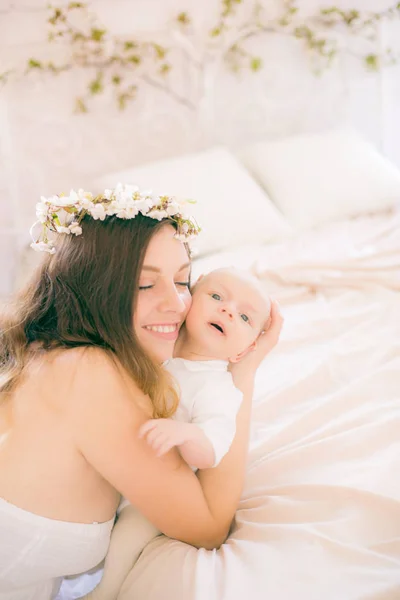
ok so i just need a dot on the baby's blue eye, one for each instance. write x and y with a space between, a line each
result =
216 296
245 318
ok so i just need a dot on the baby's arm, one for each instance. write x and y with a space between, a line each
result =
193 444
207 438
131 533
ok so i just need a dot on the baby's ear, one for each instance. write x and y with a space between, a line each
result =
193 286
241 355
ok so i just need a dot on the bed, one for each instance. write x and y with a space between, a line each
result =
319 516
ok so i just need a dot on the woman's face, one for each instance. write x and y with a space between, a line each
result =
163 297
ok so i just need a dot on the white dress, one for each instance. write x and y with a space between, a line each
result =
37 552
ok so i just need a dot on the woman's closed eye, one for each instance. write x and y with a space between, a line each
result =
185 284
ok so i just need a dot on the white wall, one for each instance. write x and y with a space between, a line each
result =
44 148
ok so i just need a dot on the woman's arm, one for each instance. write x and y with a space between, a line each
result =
105 417
105 413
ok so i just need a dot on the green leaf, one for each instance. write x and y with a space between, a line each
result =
80 106
34 64
116 79
165 69
57 16
96 86
122 100
160 51
303 32
351 16
129 45
255 63
183 18
372 62
216 31
329 11
77 35
97 34
4 76
73 5
135 59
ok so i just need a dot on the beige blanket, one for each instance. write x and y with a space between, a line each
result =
319 517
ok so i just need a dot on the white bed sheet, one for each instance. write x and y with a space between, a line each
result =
319 517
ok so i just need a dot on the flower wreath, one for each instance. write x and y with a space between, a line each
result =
64 214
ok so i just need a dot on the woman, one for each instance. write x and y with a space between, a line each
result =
80 373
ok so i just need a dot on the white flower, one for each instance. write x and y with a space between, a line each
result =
62 229
70 200
97 211
86 204
112 209
84 199
131 189
172 209
185 228
49 200
157 214
129 212
144 205
43 247
73 196
75 228
42 211
107 194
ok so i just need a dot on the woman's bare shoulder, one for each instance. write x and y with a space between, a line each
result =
90 376
81 357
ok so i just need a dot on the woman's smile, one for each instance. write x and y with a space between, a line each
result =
165 331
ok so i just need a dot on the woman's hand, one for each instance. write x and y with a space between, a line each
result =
265 343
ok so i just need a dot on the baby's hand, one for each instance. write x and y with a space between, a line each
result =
164 434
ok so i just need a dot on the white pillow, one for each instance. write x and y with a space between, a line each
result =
322 177
231 208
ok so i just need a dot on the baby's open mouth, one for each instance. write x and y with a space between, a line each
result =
218 327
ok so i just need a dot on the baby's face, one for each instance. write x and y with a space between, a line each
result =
229 310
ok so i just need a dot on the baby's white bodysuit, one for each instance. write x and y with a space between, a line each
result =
208 399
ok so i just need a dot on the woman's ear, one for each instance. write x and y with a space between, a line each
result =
242 354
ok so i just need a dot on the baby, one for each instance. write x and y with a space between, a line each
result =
229 312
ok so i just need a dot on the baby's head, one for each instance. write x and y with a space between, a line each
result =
229 311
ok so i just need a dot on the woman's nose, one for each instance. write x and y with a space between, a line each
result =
173 300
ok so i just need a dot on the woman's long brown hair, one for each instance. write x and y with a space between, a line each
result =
84 295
